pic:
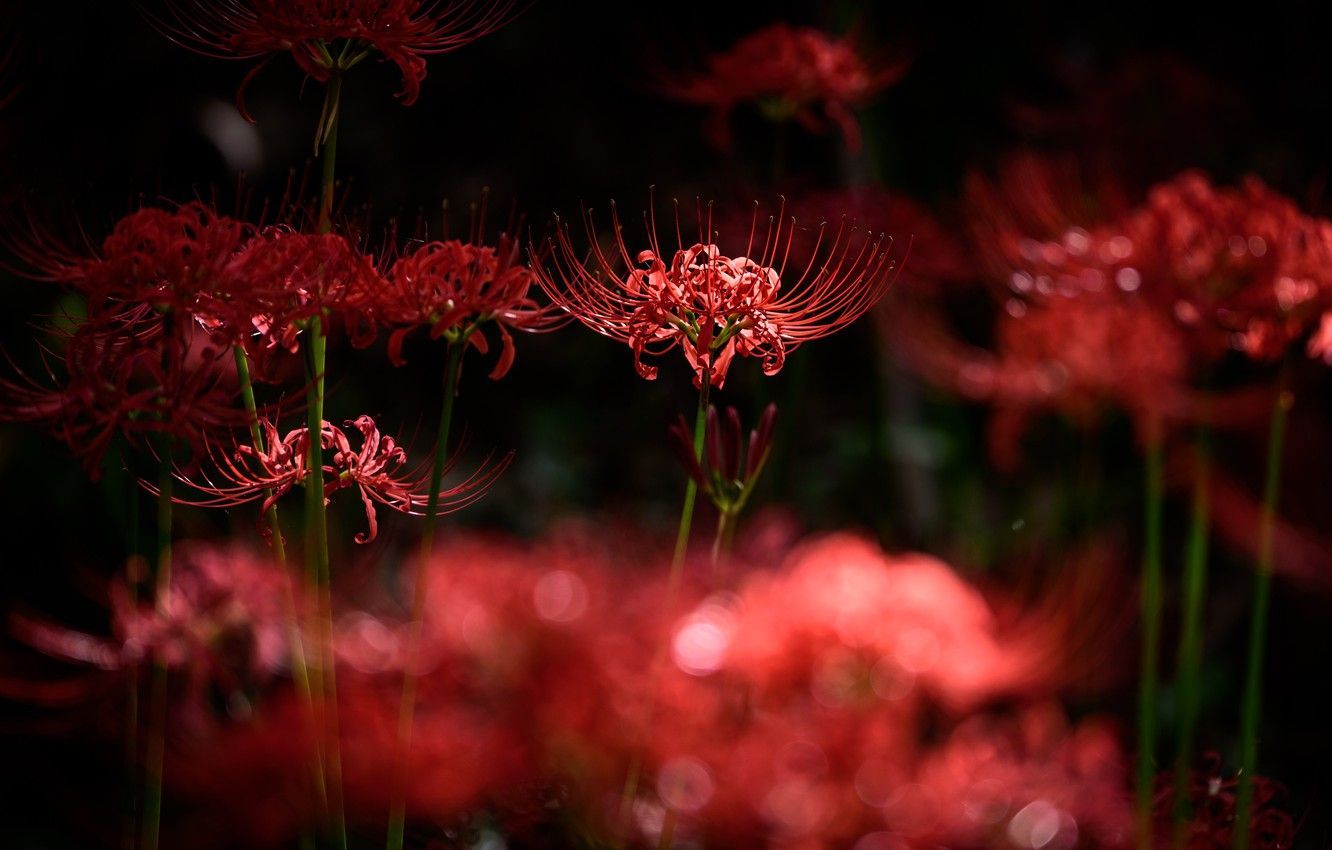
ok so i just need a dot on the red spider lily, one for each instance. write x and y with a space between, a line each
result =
729 468
376 470
403 32
796 73
714 306
227 625
455 289
1239 269
1212 803
295 277
178 260
137 374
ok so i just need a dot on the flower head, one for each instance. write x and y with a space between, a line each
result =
456 288
796 73
294 277
403 32
376 469
761 303
136 374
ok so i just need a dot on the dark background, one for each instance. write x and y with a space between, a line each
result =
560 108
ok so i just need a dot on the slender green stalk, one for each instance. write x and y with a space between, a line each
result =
157 707
407 709
1190 643
691 494
1262 594
667 837
722 537
1151 636
257 440
316 529
300 670
632 779
132 567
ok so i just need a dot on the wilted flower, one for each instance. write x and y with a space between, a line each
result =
796 73
456 289
403 32
376 470
713 305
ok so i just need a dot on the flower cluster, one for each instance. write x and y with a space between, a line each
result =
839 697
762 303
796 73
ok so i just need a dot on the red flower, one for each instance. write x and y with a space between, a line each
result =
137 374
455 288
375 470
791 72
1211 799
714 306
403 32
294 277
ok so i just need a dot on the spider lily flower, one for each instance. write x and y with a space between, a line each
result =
136 374
729 468
458 288
792 73
296 277
403 32
762 303
377 470
1212 800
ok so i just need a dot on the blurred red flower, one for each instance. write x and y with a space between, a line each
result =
798 73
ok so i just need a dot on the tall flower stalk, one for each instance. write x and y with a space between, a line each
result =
1262 594
1151 600
1191 630
420 591
156 752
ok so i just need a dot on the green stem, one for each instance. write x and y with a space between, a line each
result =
667 836
1262 594
691 494
1151 637
1190 643
672 588
317 560
407 708
299 668
257 440
721 538
156 753
132 575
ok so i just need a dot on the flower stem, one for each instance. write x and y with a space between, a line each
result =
316 543
407 708
1190 643
631 780
133 568
667 837
721 538
299 668
1151 636
157 707
691 494
1262 594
